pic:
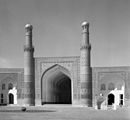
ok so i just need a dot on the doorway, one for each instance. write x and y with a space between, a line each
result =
111 99
11 98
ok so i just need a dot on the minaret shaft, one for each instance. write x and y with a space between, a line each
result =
85 67
29 85
28 41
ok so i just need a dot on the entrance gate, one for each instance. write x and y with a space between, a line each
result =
56 86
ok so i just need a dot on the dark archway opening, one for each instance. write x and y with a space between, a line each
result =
11 98
62 91
111 98
56 87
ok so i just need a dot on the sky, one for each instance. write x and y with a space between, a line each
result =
57 30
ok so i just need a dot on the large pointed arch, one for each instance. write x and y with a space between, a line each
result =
61 68
56 85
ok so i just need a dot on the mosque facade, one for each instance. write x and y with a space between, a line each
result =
64 80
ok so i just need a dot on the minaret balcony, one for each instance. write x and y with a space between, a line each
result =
88 47
28 49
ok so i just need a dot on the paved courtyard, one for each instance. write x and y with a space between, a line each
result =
60 112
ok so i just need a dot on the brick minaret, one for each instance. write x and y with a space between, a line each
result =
29 85
85 67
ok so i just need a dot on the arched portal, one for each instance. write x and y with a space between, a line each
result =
11 98
56 86
111 99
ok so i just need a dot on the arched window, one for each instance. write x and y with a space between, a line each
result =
111 86
10 86
103 87
119 87
3 86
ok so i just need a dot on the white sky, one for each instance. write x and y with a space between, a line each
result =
57 29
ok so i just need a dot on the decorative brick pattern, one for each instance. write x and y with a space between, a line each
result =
107 75
46 63
14 76
99 74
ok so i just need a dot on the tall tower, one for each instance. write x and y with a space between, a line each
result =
29 85
85 67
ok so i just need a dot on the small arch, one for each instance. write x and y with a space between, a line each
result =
11 98
10 86
119 86
103 87
111 86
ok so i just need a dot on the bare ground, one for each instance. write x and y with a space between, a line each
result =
63 112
